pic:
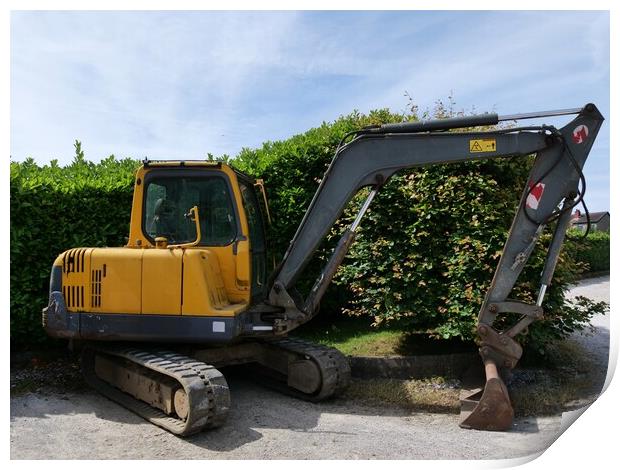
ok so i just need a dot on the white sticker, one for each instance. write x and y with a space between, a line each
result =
262 328
219 327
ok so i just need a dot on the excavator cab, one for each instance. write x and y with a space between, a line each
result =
228 218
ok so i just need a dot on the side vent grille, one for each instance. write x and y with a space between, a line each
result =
95 287
73 261
74 296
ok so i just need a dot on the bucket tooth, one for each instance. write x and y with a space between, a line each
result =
487 409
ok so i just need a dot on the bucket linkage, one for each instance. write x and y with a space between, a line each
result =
489 408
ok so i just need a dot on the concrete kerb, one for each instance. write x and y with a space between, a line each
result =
412 367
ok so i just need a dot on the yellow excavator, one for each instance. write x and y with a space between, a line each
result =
191 293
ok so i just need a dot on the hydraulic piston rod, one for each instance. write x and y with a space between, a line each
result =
539 114
312 303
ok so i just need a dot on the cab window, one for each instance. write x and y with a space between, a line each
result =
169 200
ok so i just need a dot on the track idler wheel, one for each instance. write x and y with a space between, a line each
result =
489 409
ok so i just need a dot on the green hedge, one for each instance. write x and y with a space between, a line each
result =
424 257
593 251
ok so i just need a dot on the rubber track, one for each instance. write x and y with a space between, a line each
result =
206 387
334 367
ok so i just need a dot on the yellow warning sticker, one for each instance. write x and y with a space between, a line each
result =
482 145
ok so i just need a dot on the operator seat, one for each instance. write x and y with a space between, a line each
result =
163 224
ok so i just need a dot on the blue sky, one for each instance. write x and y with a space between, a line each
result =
184 84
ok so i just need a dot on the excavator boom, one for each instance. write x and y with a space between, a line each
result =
375 154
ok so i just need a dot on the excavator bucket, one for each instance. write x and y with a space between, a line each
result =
487 409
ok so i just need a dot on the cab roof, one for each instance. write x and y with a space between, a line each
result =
146 163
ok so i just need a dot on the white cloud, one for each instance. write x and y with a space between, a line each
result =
141 82
181 84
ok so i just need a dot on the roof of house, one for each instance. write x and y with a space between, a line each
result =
594 218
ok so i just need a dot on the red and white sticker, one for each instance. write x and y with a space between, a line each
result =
534 196
580 134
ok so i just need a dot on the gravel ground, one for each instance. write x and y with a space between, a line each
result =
262 425
266 425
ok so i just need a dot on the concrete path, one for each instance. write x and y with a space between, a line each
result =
596 341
